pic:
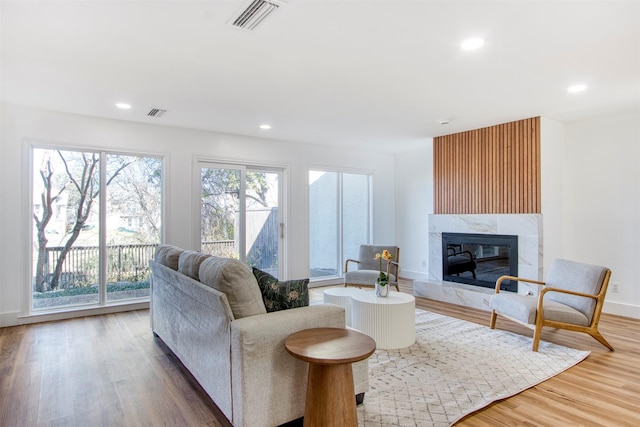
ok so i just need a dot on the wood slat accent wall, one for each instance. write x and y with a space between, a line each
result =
489 170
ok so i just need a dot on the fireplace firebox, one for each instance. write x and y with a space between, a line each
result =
480 259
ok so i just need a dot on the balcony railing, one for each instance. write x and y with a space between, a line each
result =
125 263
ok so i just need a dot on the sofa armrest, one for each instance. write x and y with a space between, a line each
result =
264 375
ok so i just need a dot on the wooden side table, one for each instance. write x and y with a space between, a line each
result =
330 400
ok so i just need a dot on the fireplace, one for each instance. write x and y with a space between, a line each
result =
480 259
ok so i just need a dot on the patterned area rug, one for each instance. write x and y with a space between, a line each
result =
454 368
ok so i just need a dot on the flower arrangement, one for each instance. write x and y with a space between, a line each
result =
382 278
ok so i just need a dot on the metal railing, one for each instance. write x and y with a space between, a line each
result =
125 263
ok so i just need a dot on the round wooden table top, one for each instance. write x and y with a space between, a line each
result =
330 346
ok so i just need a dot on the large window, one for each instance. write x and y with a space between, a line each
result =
240 214
96 224
339 219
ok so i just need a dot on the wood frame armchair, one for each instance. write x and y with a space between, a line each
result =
560 304
367 272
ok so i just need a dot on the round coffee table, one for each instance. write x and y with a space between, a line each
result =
341 297
330 352
390 320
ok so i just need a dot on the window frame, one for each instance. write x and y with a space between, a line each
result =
103 305
245 166
340 256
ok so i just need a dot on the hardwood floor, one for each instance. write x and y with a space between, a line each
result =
97 371
110 371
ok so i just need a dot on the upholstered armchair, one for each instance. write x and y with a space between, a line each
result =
572 299
366 269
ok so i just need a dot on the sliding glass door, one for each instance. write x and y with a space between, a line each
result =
240 214
96 223
339 220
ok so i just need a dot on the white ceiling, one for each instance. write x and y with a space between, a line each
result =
363 74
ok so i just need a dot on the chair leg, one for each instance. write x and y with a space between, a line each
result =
536 336
397 287
596 334
494 316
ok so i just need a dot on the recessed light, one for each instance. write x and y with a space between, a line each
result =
472 44
577 88
123 105
444 121
265 127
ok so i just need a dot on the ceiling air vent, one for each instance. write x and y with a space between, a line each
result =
249 18
156 112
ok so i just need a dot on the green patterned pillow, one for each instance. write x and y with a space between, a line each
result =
281 295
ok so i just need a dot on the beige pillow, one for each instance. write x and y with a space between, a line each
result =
168 255
189 263
237 282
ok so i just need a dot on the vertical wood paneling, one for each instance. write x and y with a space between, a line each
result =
489 170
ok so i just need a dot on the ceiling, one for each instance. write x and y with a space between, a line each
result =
376 75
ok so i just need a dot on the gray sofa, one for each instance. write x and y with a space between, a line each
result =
209 312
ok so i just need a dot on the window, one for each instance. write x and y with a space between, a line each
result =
339 220
96 224
240 214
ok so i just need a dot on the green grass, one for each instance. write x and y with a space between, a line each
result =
85 290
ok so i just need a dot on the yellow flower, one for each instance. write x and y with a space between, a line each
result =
386 255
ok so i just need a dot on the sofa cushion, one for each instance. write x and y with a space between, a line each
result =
168 255
234 279
281 295
189 263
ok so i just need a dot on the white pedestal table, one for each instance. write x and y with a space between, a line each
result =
390 320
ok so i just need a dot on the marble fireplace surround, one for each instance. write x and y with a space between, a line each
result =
528 228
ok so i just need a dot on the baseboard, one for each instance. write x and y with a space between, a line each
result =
9 319
326 282
89 311
619 309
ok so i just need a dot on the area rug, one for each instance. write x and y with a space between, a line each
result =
453 369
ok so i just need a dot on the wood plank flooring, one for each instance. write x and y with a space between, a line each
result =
110 371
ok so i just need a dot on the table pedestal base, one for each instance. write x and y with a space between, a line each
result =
330 397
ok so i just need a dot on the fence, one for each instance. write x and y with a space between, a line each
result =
125 263
221 248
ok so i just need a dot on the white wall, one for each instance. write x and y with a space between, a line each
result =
22 124
552 188
414 200
602 202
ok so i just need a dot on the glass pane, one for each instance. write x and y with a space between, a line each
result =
355 214
262 221
65 228
219 210
323 224
134 210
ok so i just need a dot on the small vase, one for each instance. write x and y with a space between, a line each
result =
382 290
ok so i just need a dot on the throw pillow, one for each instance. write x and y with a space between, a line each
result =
281 295
168 255
234 279
189 263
